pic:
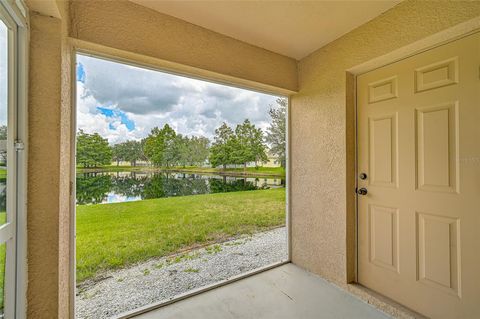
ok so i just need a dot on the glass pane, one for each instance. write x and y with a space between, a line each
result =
3 119
2 275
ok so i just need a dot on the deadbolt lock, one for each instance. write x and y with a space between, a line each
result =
363 176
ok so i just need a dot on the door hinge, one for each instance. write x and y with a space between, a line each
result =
18 145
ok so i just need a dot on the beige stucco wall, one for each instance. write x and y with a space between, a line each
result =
43 166
65 198
48 203
127 26
319 163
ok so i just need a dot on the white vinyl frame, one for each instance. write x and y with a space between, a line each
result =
14 15
79 51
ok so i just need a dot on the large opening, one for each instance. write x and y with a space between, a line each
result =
180 185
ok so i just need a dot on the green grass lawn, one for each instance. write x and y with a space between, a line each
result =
254 171
111 236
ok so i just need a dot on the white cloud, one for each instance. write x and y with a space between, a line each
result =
91 120
150 98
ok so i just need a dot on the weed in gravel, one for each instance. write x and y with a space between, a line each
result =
180 258
89 295
146 272
192 256
120 279
215 249
233 243
194 270
159 266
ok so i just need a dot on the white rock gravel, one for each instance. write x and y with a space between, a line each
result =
163 278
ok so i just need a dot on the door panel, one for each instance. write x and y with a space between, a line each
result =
383 150
383 232
437 153
438 253
419 145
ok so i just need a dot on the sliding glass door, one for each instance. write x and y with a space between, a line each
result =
11 150
7 168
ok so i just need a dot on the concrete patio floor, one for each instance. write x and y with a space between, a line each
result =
283 292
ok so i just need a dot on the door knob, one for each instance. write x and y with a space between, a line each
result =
362 191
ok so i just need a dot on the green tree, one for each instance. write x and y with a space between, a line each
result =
153 147
93 150
222 147
170 151
199 150
191 150
276 132
133 152
249 144
160 146
118 153
183 148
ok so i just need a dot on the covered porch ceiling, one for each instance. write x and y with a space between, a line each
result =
284 27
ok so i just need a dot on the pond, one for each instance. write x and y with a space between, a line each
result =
116 187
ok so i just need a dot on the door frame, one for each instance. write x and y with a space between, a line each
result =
431 42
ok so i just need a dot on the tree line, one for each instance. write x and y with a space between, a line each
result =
164 147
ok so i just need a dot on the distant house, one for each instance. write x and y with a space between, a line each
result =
273 161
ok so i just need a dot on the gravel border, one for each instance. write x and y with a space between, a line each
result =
162 278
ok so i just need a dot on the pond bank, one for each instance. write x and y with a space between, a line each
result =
251 171
140 230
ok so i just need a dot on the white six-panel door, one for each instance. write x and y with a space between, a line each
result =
419 148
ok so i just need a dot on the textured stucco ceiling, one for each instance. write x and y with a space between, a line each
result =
45 7
292 28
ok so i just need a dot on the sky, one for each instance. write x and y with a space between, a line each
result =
123 102
3 74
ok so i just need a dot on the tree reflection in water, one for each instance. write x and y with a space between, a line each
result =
95 188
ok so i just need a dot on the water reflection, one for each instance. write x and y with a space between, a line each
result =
96 188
